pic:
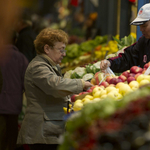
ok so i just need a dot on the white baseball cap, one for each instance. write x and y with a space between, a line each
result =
143 15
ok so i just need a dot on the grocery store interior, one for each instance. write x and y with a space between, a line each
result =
97 30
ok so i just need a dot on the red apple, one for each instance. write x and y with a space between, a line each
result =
115 80
73 97
122 77
131 75
136 69
137 75
89 90
108 78
104 83
147 65
112 81
126 73
129 79
96 77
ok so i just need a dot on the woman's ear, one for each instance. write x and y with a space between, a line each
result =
46 48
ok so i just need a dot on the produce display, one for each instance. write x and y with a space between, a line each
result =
113 115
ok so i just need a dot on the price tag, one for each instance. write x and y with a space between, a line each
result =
147 71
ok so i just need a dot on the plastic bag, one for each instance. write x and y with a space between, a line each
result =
108 72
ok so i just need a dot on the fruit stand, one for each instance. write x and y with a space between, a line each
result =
114 113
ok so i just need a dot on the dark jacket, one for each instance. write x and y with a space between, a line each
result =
13 66
137 54
25 43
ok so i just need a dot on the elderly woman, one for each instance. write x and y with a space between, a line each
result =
47 92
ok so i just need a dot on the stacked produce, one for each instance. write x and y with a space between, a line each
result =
113 115
111 125
78 53
114 87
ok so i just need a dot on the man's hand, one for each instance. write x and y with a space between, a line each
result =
104 64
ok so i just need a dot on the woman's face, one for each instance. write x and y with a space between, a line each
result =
57 52
145 29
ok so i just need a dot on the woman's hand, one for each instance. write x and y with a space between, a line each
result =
87 85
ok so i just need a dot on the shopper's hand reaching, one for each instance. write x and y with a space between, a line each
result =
87 85
104 64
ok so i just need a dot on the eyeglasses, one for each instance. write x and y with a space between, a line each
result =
61 50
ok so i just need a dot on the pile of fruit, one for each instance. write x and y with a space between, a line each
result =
114 87
111 125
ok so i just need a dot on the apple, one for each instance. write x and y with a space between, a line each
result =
97 94
137 75
93 81
119 84
147 65
109 89
112 81
103 96
131 75
103 92
144 82
129 79
136 69
122 77
147 77
98 77
140 77
77 106
96 100
86 100
73 97
114 95
124 88
134 85
126 73
89 97
108 78
115 80
104 83
97 88
89 90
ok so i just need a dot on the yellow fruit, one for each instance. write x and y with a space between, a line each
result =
140 77
97 94
77 106
65 110
119 84
134 85
147 77
89 97
78 100
103 96
103 92
86 101
123 89
143 82
114 95
96 99
110 88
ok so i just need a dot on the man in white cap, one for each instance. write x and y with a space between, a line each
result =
137 54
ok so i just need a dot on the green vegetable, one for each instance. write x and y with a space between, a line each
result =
78 73
88 76
126 41
72 50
